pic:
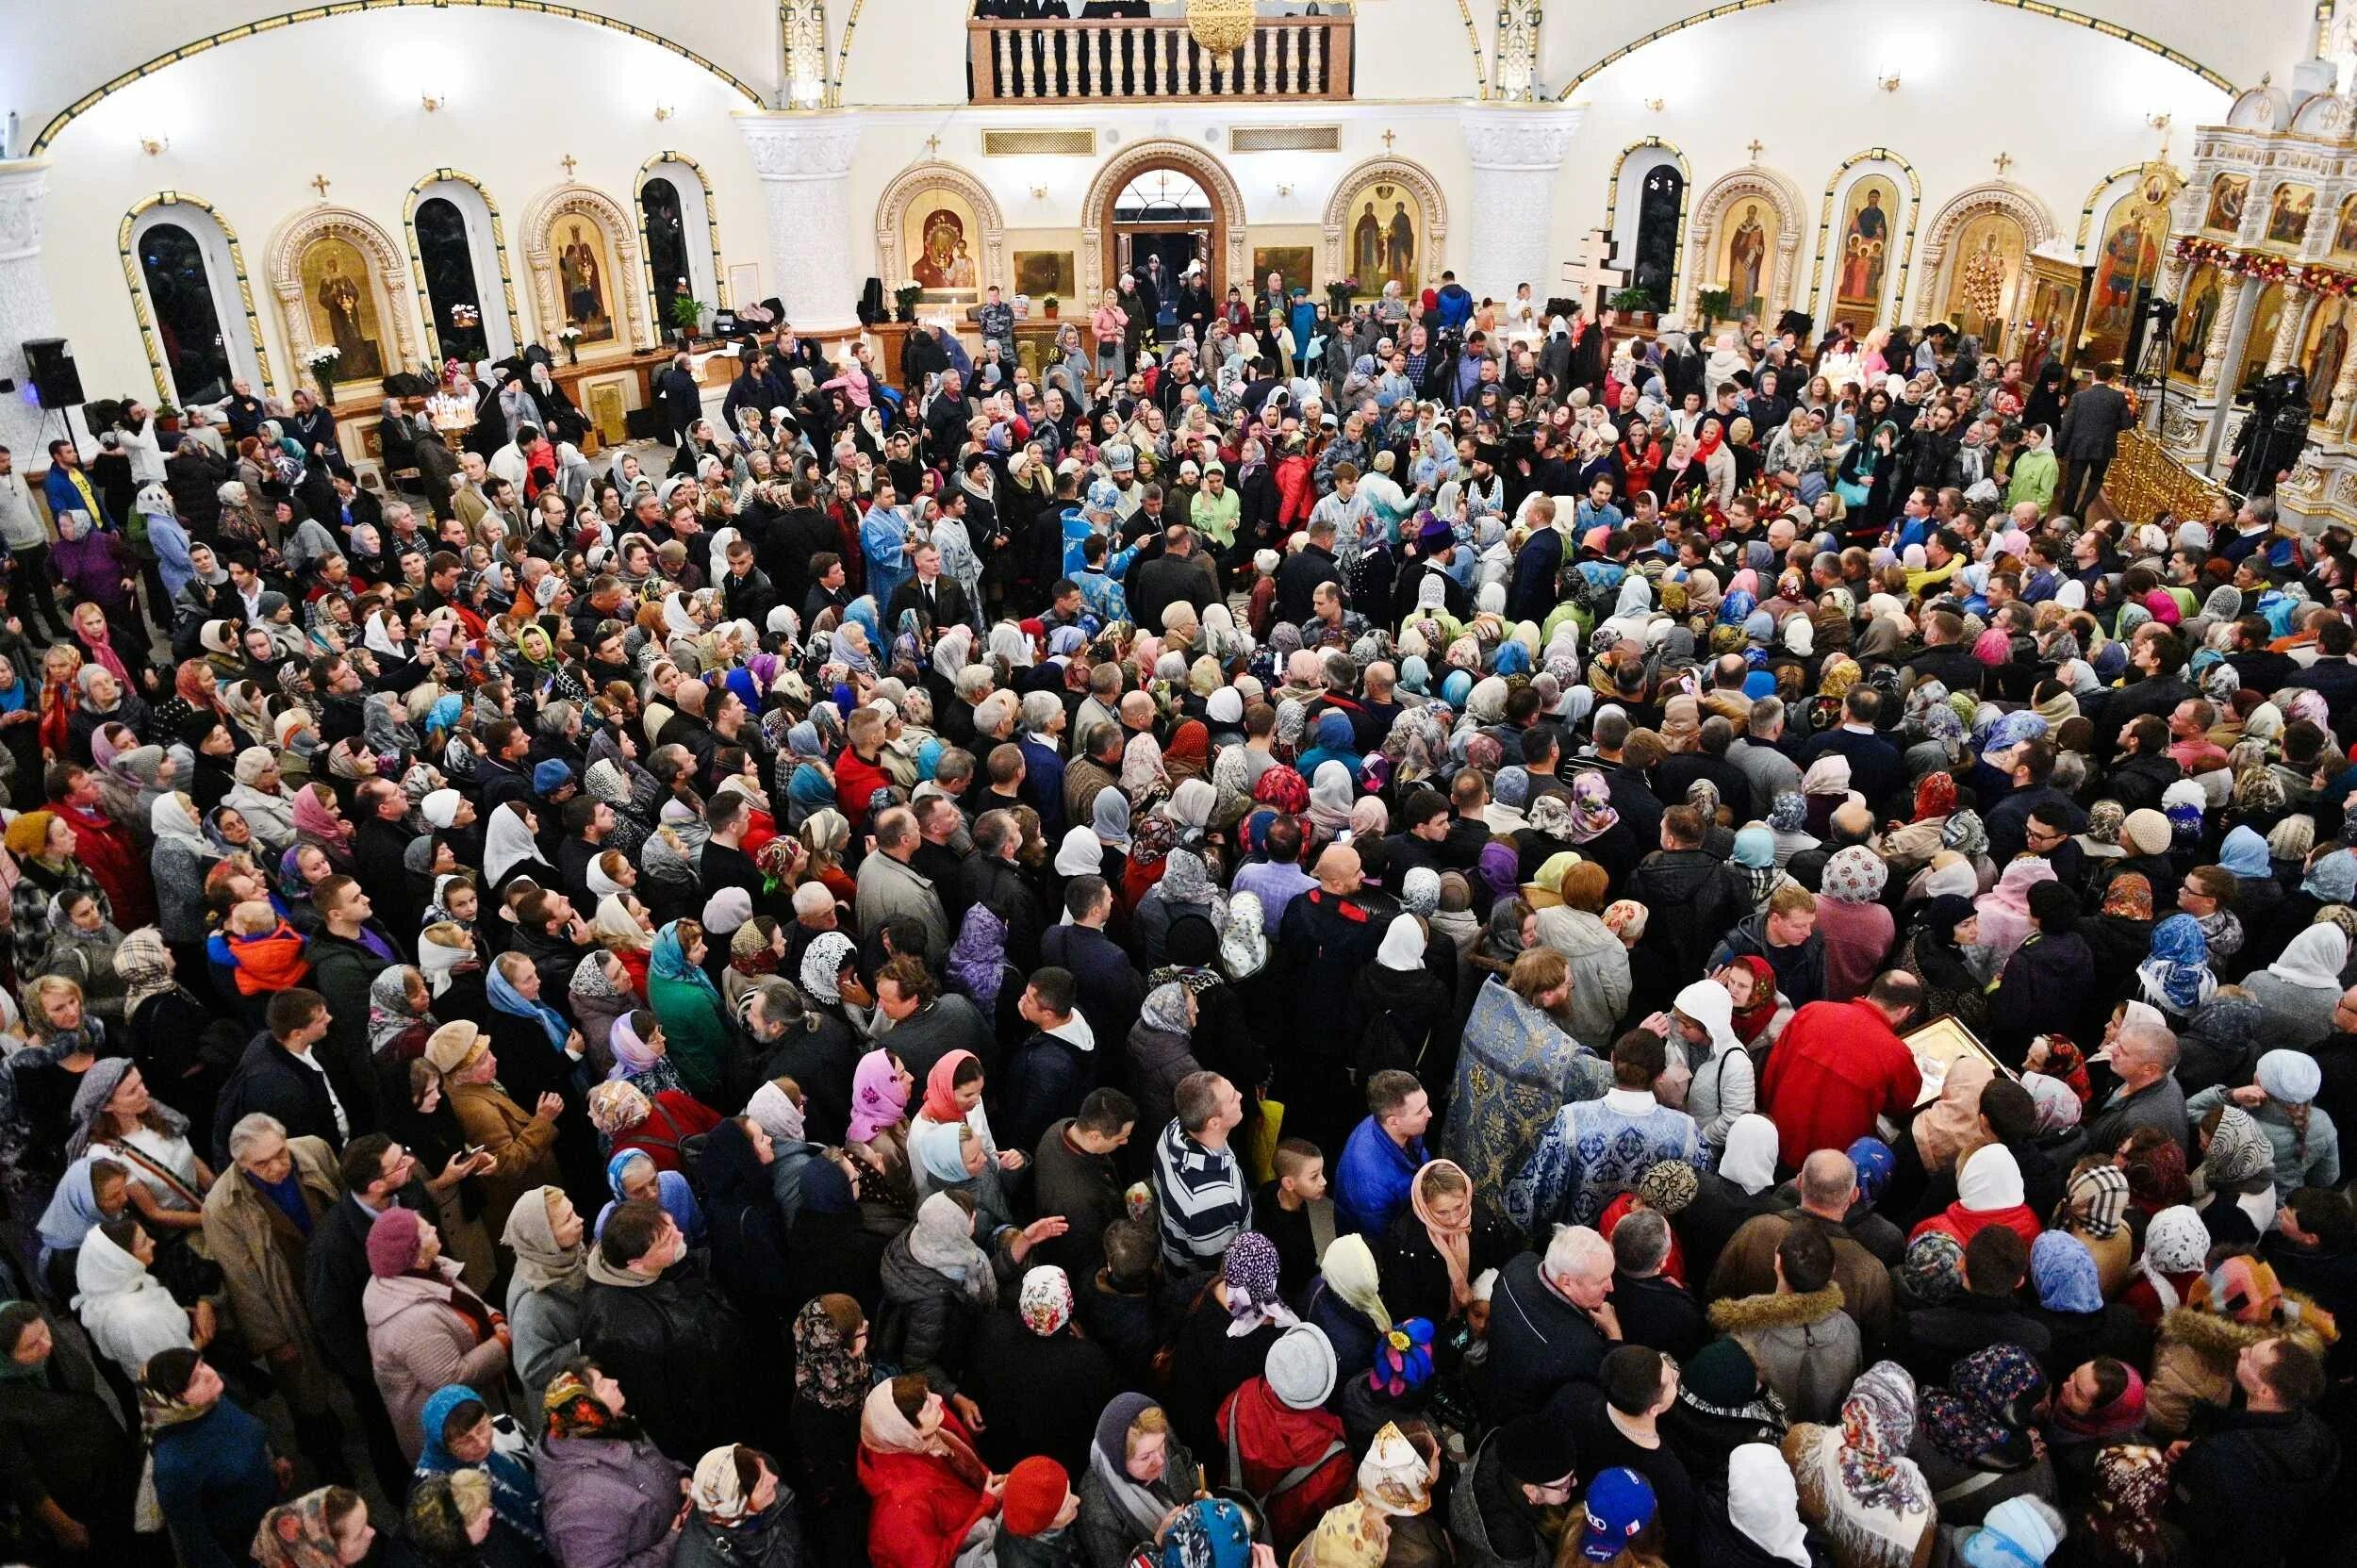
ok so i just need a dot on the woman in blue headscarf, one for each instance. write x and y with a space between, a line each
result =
80 1204
459 1432
2176 977
695 1019
633 1174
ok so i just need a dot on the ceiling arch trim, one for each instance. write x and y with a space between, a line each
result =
89 100
2035 8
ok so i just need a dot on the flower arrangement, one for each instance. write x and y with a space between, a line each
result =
323 358
1340 292
2311 277
465 316
568 333
906 296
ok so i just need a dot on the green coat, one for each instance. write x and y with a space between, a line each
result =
696 1031
2035 476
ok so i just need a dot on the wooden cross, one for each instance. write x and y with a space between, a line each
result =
1389 136
570 162
1590 268
1757 147
2003 162
320 183
933 146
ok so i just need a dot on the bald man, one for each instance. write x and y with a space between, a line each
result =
1829 1195
1328 935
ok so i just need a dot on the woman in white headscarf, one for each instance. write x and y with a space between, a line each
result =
1330 798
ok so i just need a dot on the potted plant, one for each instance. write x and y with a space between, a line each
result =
166 420
687 314
904 300
1716 304
1637 304
1339 293
1047 306
569 336
321 362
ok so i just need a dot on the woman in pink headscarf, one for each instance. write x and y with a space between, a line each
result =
2004 909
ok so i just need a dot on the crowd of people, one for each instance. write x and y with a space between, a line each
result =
1446 936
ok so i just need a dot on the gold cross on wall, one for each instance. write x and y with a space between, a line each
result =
1756 146
933 146
570 162
2003 162
320 183
1389 136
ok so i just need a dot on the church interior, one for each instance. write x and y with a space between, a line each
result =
327 196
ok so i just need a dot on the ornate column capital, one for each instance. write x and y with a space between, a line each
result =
23 195
800 146
1513 137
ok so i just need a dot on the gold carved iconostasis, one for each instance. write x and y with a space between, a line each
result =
583 255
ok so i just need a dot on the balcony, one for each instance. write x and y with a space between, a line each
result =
1158 60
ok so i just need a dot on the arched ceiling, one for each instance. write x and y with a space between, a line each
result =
47 69
2239 42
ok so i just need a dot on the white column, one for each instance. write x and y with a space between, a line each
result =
26 311
1516 153
804 161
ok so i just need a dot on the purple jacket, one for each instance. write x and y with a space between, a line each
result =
608 1503
93 566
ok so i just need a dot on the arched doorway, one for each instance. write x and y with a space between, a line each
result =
1163 198
1160 223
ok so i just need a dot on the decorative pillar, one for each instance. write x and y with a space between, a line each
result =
1517 71
1516 154
804 161
25 310
2289 330
804 24
2230 303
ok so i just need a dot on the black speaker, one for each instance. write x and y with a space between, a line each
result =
49 365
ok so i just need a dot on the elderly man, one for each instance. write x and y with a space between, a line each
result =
1551 1321
2144 1057
889 885
259 1218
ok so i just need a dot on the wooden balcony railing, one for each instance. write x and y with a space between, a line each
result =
1115 62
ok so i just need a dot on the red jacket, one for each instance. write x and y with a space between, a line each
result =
1297 496
855 783
1837 1066
103 847
1964 1224
1273 1438
923 1506
674 1117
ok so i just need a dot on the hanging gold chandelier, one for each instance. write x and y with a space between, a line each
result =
1220 27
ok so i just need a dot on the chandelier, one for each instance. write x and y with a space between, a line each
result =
1220 27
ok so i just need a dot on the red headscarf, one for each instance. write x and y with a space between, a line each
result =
941 1103
1935 796
1748 1022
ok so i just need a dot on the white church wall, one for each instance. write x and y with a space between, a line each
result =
47 67
1961 63
2240 40
342 102
1420 49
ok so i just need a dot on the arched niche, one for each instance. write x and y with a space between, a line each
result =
493 288
1228 262
1423 192
211 266
698 217
899 239
1955 249
583 253
321 300
1649 176
1751 195
1863 262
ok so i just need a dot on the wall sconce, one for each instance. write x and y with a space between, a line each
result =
1284 189
1889 83
1654 103
1039 192
433 100
664 111
155 146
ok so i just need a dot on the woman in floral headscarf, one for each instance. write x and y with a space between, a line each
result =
1983 1430
1856 928
1856 1482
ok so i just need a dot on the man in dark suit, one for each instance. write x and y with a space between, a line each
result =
1876 768
679 398
1297 580
938 601
2090 435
